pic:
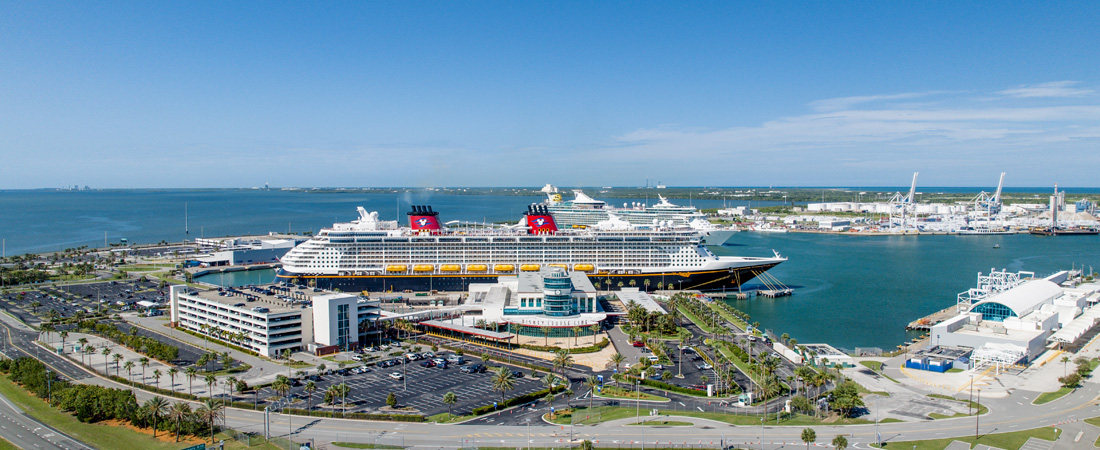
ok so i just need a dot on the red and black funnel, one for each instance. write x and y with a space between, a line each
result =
423 218
539 220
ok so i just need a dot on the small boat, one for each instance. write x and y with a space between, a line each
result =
996 245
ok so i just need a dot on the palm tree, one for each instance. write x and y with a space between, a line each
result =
449 399
180 411
34 306
231 387
502 381
617 359
595 330
117 358
226 360
576 333
129 366
144 363
211 381
47 328
209 412
840 442
646 284
172 371
1065 360
155 408
310 388
281 386
545 336
156 376
549 381
106 352
683 337
591 383
192 373
808 436
83 342
562 361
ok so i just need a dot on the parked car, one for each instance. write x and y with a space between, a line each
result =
456 359
428 363
638 344
704 366
517 374
475 368
397 376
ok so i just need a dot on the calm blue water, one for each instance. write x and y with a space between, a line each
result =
42 221
239 278
850 290
862 290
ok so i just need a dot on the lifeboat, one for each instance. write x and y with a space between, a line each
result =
396 268
476 268
450 268
529 267
423 268
504 268
584 267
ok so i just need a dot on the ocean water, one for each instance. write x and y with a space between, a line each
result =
38 221
849 290
861 291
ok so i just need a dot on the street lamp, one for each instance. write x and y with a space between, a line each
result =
977 414
528 433
762 431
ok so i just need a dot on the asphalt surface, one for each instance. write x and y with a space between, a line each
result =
27 433
423 391
189 354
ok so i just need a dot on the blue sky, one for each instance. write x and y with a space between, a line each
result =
236 94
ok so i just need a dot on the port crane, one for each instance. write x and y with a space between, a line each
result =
991 204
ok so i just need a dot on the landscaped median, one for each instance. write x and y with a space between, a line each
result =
599 414
625 394
1015 439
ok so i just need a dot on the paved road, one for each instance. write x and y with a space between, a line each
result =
28 433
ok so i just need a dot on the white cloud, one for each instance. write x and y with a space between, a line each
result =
840 103
1051 89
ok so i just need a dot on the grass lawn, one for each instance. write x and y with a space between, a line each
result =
1014 439
618 392
663 423
953 370
99 435
1048 397
1095 421
5 445
696 321
726 315
447 418
873 365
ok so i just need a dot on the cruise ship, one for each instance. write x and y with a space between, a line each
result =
585 211
373 255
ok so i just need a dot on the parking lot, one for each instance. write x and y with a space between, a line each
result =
189 354
425 388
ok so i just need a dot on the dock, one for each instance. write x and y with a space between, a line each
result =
734 295
775 293
927 322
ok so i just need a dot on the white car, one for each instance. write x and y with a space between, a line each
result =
397 376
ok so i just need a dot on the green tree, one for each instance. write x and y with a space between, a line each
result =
156 376
846 398
144 363
591 383
210 412
310 388
562 361
129 366
180 412
576 334
118 358
211 381
155 409
1070 381
1065 360
172 372
808 436
840 442
106 352
192 373
549 381
449 399
502 381
617 359
391 400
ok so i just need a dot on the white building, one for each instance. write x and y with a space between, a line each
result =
1023 317
270 319
257 321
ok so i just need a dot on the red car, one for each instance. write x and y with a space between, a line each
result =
638 344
